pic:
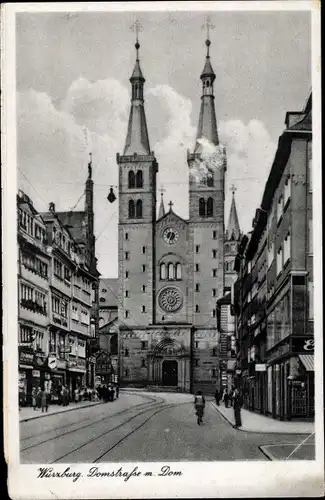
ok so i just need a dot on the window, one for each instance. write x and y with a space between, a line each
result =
104 290
39 233
197 248
143 268
126 236
57 268
270 254
139 209
139 179
178 271
126 352
143 309
214 235
214 292
143 250
163 272
287 248
170 271
144 346
126 314
196 362
143 363
126 255
143 288
131 179
197 268
126 372
213 372
75 313
126 293
197 309
210 207
311 299
25 334
197 287
287 190
279 261
201 207
310 236
214 254
126 274
310 164
196 345
131 209
213 313
214 273
280 208
67 274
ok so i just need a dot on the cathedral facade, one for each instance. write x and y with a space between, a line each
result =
171 270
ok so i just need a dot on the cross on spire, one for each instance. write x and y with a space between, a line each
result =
208 25
170 205
137 27
90 165
162 190
233 189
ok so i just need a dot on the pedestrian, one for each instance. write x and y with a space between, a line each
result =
59 392
238 403
34 398
199 404
44 401
226 398
217 397
105 393
231 395
117 391
39 397
89 394
76 395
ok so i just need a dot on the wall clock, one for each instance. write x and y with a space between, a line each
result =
170 235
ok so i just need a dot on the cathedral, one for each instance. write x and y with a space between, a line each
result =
172 271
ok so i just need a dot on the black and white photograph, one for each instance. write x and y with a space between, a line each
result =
162 249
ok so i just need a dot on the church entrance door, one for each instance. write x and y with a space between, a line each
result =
169 373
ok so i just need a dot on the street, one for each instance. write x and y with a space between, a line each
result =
148 427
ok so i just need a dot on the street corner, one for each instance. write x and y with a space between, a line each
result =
287 451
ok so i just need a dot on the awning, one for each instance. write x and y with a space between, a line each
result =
231 364
308 361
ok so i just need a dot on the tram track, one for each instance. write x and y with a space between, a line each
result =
150 404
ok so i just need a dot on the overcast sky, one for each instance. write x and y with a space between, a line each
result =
73 90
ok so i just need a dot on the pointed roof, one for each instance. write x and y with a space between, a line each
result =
162 207
233 229
137 139
208 70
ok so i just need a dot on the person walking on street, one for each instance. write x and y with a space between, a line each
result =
44 401
217 397
226 398
117 391
76 395
39 397
231 395
34 398
238 403
199 404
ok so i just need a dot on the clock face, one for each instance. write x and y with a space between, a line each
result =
170 235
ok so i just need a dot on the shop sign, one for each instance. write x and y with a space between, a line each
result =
303 345
36 373
39 359
52 362
65 350
26 357
260 367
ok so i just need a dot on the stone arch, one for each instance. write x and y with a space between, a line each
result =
168 347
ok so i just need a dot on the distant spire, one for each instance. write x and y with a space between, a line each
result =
233 229
170 206
162 206
137 140
90 170
207 127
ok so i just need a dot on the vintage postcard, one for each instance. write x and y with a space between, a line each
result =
162 250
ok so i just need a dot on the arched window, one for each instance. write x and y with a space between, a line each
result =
171 271
139 209
210 207
131 209
131 179
210 179
163 271
139 179
178 271
201 207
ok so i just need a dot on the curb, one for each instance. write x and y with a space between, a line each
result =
243 429
267 453
57 412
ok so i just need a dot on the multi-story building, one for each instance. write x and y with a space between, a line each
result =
34 268
274 293
171 270
107 305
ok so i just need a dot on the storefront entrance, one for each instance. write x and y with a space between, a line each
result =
169 373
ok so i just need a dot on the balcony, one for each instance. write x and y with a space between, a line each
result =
60 321
31 311
64 286
78 327
82 295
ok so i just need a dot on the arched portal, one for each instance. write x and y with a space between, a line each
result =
170 372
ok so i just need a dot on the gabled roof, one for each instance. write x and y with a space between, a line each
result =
172 215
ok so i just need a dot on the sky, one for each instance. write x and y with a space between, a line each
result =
73 97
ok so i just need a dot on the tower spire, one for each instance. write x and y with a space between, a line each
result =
207 127
162 206
233 229
137 140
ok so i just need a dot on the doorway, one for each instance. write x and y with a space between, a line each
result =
169 373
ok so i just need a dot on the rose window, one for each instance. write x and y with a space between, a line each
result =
170 299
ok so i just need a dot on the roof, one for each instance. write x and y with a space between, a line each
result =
161 208
108 290
137 139
137 73
172 215
75 221
207 70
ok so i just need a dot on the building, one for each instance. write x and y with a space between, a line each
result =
57 284
171 270
34 268
227 351
107 305
274 292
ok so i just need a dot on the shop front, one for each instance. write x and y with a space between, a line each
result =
104 369
290 376
25 375
76 374
57 377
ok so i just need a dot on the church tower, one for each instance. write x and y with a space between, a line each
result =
207 165
137 214
232 239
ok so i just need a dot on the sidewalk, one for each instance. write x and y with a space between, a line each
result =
29 413
253 422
